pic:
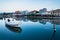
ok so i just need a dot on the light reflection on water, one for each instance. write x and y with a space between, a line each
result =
31 29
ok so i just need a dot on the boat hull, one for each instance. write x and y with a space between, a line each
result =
16 25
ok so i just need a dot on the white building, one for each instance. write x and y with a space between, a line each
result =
42 10
25 12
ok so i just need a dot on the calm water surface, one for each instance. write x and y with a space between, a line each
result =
31 29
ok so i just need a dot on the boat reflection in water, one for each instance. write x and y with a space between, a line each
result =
14 29
13 25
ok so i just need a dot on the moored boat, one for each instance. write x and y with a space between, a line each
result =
12 22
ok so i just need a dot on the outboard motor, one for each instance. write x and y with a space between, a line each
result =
8 20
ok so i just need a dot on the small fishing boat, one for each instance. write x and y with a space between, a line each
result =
12 22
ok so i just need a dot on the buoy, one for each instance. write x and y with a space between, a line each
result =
54 30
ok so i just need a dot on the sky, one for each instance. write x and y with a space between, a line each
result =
15 5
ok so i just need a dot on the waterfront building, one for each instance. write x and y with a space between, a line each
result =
25 12
34 12
17 14
56 12
42 11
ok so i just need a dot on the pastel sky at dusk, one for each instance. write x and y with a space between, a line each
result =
14 5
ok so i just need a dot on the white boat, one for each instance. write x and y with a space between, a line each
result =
12 22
